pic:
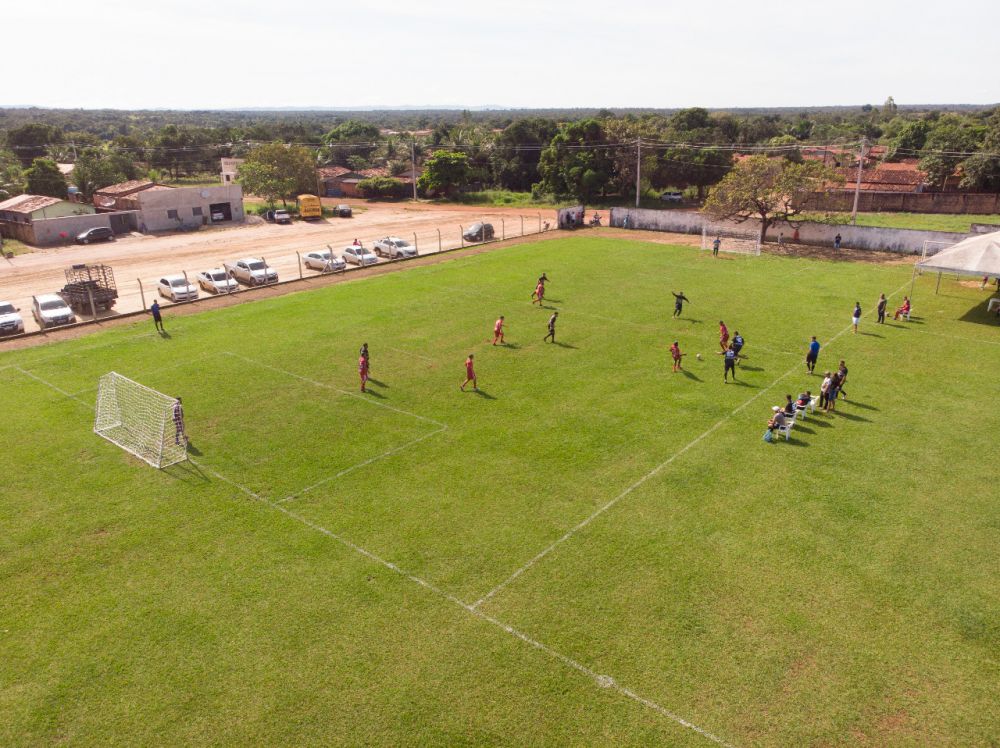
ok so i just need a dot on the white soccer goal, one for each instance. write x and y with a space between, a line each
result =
730 240
140 420
931 248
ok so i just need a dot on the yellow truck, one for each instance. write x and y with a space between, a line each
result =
310 208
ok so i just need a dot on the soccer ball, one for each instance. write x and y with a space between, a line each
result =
698 357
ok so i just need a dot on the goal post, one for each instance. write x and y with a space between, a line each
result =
140 420
730 240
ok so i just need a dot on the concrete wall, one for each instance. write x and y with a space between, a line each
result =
907 202
818 234
155 204
62 230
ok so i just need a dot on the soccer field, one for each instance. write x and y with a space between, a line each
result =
591 550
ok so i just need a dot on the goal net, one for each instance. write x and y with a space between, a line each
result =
930 249
730 240
140 420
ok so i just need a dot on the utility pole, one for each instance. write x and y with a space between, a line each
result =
638 168
857 185
413 166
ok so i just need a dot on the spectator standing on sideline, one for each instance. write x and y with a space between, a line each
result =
842 376
824 390
812 355
856 315
715 246
836 242
157 316
882 301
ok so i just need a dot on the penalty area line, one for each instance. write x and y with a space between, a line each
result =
600 680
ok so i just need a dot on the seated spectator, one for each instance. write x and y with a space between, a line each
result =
778 419
804 399
789 405
903 310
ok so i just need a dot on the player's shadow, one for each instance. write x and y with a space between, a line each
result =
863 406
484 394
380 383
744 367
741 383
564 345
873 334
512 346
850 416
691 375
374 393
192 449
553 301
165 334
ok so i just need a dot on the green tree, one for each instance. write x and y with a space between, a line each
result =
96 168
909 140
276 171
444 172
769 189
982 171
517 151
44 178
32 141
682 167
382 187
12 181
350 140
889 108
947 144
577 162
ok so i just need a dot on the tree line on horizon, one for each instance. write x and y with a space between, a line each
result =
585 157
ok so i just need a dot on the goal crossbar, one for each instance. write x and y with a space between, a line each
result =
140 420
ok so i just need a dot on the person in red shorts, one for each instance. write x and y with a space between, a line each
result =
723 335
539 293
363 371
675 353
470 375
498 330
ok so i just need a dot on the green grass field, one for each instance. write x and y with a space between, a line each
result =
923 221
592 550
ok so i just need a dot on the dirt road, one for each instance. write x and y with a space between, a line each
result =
140 261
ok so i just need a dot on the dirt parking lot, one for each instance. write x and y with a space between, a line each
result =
140 261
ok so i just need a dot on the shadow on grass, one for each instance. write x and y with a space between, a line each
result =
164 334
803 429
850 416
512 346
978 315
192 449
793 442
816 420
689 375
741 383
744 367
372 380
873 335
187 472
484 394
863 406
374 393
564 345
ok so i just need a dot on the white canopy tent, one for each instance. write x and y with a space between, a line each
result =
977 255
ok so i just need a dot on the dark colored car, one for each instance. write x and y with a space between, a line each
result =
479 232
343 211
96 234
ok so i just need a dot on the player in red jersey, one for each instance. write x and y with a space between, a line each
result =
723 336
675 353
363 371
539 293
498 330
470 375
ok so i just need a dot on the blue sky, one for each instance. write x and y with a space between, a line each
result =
515 53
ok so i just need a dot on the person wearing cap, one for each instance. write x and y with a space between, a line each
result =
777 420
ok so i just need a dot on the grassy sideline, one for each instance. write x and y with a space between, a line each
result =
922 221
838 588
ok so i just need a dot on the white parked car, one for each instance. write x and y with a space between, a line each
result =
358 255
217 280
177 288
394 248
50 310
324 260
252 271
11 322
282 216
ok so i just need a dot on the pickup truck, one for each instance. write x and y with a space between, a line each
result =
252 271
393 247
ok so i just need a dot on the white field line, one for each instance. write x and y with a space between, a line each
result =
61 391
602 681
143 372
332 388
656 470
352 468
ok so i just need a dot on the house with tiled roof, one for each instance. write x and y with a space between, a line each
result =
341 181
